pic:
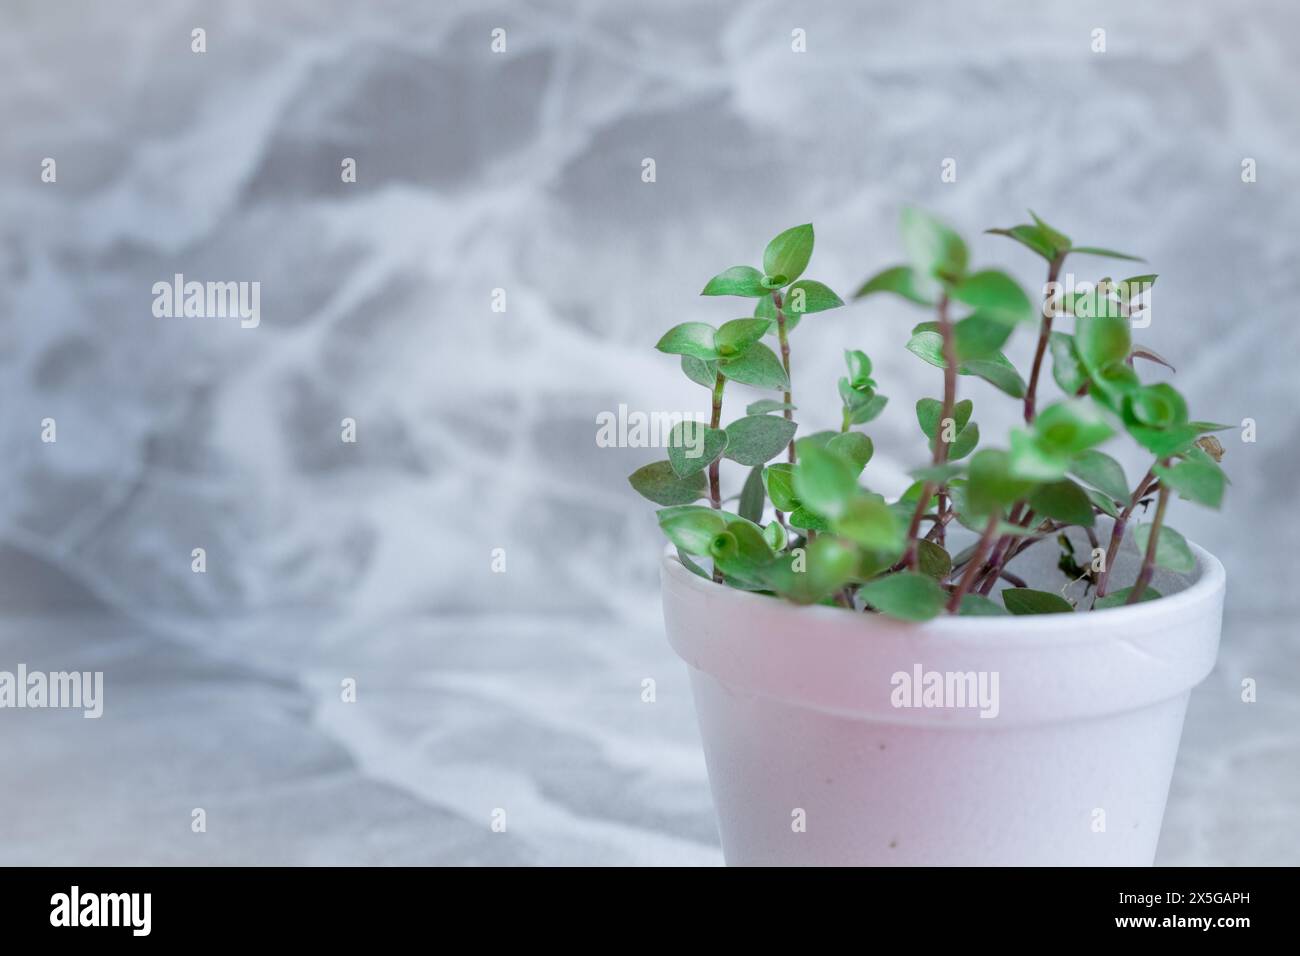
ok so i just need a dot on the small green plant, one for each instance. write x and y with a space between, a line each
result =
831 540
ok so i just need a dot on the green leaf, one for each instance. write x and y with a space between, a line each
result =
757 366
996 296
869 523
929 347
1067 369
774 533
765 308
741 553
738 280
1112 383
998 372
900 280
1029 601
723 547
991 484
1120 598
739 334
1071 426
696 339
1197 481
867 411
1204 427
807 575
690 565
933 248
979 336
1059 240
1064 501
692 528
966 437
821 439
823 480
1102 472
1029 460
699 371
1104 502
1130 288
808 520
751 545
765 405
1108 253
928 411
1094 301
779 481
807 296
787 255
907 596
1033 237
859 366
659 483
757 439
752 495
933 560
1158 406
851 396
1172 551
977 605
693 446
965 443
939 474
1101 341
854 446
1164 442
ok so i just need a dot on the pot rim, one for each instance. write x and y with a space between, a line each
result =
985 631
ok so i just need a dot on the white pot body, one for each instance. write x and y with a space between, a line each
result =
819 753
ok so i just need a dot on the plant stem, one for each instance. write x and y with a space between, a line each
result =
1117 532
715 491
976 561
1002 553
940 447
1149 559
785 363
1044 334
715 488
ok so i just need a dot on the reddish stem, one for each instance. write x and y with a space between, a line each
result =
1044 334
940 454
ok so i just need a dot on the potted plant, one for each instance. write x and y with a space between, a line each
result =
991 668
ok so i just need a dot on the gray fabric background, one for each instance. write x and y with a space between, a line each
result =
477 429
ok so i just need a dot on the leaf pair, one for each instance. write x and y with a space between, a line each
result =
784 261
1052 244
736 545
960 434
733 350
927 344
1045 450
752 440
858 391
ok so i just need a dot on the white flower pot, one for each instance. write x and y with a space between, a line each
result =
813 762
